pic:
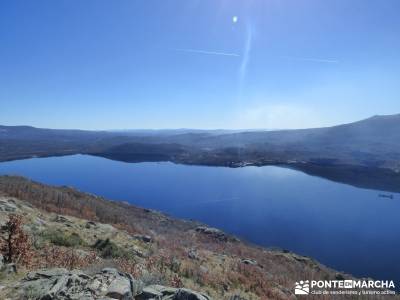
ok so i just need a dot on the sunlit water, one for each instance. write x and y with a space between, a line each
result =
347 228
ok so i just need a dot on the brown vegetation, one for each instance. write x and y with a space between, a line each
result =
15 245
177 255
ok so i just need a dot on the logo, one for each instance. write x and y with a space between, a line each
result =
302 288
345 287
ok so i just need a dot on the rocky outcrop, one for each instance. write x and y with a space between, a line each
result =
216 233
8 206
61 284
63 220
7 268
143 238
162 292
248 261
192 254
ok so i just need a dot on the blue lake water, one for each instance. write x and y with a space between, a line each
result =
347 228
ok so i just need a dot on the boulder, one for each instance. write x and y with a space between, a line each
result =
9 269
192 254
216 233
61 284
109 284
143 238
1 261
153 292
186 294
63 220
8 206
160 292
248 261
90 224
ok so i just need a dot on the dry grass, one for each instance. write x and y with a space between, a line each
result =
215 267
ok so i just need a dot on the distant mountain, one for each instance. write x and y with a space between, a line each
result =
372 143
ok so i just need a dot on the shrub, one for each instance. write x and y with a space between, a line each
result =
108 249
60 238
15 245
67 258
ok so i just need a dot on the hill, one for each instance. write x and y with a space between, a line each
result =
370 143
73 230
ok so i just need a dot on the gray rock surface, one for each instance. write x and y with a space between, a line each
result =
9 269
109 284
90 224
61 219
192 254
8 205
216 233
63 284
143 238
160 292
248 261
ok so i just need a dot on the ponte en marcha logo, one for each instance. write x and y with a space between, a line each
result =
345 287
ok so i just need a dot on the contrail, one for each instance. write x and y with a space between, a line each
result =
207 52
320 60
246 56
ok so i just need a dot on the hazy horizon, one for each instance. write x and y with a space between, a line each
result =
195 129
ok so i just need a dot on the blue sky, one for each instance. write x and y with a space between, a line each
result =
98 64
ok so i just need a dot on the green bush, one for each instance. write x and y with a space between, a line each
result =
108 249
60 238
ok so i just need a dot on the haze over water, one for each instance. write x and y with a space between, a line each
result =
347 228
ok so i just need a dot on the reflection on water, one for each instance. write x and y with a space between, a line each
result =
347 228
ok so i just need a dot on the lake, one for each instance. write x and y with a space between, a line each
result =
347 228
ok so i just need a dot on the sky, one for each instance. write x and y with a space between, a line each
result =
234 64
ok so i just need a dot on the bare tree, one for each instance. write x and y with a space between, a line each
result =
15 245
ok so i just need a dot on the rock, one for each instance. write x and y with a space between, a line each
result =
46 274
119 289
109 284
216 233
302 259
9 269
122 285
1 261
61 284
90 224
40 222
186 294
167 293
192 254
152 292
143 238
136 285
138 252
62 219
296 258
8 205
248 261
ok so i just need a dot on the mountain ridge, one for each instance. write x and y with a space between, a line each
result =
372 142
374 117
